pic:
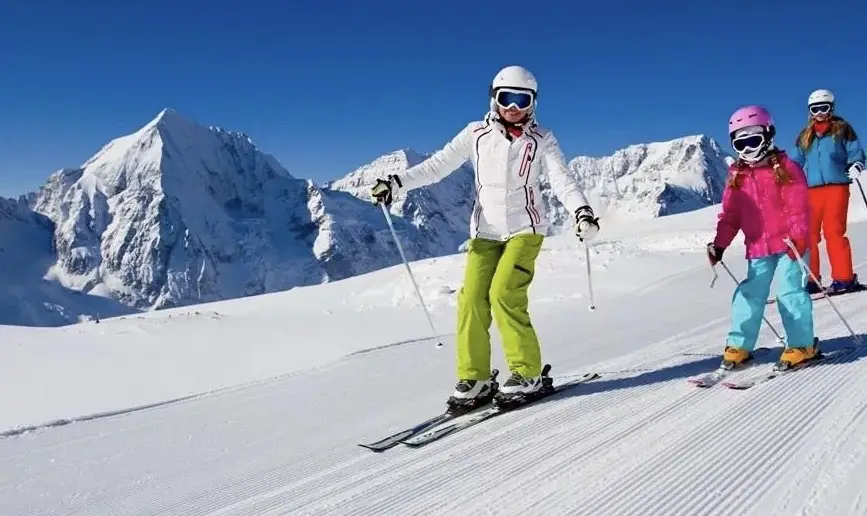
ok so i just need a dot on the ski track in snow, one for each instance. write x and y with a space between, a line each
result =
639 440
603 448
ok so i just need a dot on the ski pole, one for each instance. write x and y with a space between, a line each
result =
411 277
806 268
715 276
771 326
592 305
857 182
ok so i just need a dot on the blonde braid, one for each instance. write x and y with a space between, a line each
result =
735 180
781 175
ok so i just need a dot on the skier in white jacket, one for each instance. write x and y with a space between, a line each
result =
509 152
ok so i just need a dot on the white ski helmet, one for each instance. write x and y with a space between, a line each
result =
820 97
513 78
516 77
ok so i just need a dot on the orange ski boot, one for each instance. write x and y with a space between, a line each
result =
797 357
735 358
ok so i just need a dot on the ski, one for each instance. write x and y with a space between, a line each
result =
451 413
712 378
450 427
393 440
814 297
752 381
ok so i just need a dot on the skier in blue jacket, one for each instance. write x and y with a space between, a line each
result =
832 157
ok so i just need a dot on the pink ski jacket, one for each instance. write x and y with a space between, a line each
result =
765 211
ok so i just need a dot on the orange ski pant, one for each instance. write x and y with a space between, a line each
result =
829 207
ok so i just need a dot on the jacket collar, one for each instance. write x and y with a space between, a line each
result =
493 119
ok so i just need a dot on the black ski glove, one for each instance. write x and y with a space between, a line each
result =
384 189
586 225
714 254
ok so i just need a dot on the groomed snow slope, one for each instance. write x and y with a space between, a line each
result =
638 441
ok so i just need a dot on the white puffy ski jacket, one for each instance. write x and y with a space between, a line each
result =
508 201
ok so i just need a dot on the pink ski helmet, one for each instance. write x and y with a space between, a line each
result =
748 116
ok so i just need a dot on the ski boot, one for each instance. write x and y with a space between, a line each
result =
472 394
518 389
736 358
844 287
813 288
793 358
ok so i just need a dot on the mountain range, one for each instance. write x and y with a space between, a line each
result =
178 213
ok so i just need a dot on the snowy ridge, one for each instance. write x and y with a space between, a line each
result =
639 440
641 181
654 179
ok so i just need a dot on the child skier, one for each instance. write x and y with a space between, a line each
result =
831 155
766 198
509 151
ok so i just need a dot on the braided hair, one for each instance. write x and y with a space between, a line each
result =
781 175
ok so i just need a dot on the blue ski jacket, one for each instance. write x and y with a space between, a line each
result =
826 159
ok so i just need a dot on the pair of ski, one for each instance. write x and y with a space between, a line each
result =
452 421
720 375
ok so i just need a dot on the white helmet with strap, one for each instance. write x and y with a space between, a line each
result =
515 78
820 97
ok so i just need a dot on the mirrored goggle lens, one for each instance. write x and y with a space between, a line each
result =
819 109
753 141
520 99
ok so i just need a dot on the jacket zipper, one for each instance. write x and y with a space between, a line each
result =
508 189
757 193
819 160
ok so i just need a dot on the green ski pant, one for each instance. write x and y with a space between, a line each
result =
496 279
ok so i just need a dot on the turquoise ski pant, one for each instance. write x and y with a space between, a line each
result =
751 295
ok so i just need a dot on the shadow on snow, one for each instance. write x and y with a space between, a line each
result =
764 356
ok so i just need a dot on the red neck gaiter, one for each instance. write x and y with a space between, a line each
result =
821 127
516 132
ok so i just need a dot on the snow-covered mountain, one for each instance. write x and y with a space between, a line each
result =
652 179
26 296
178 213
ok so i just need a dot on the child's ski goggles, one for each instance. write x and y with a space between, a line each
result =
820 109
521 99
748 142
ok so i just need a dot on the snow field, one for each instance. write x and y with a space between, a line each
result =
299 378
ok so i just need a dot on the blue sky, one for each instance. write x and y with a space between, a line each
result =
327 85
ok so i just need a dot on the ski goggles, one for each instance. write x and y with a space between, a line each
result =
748 142
521 99
820 109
